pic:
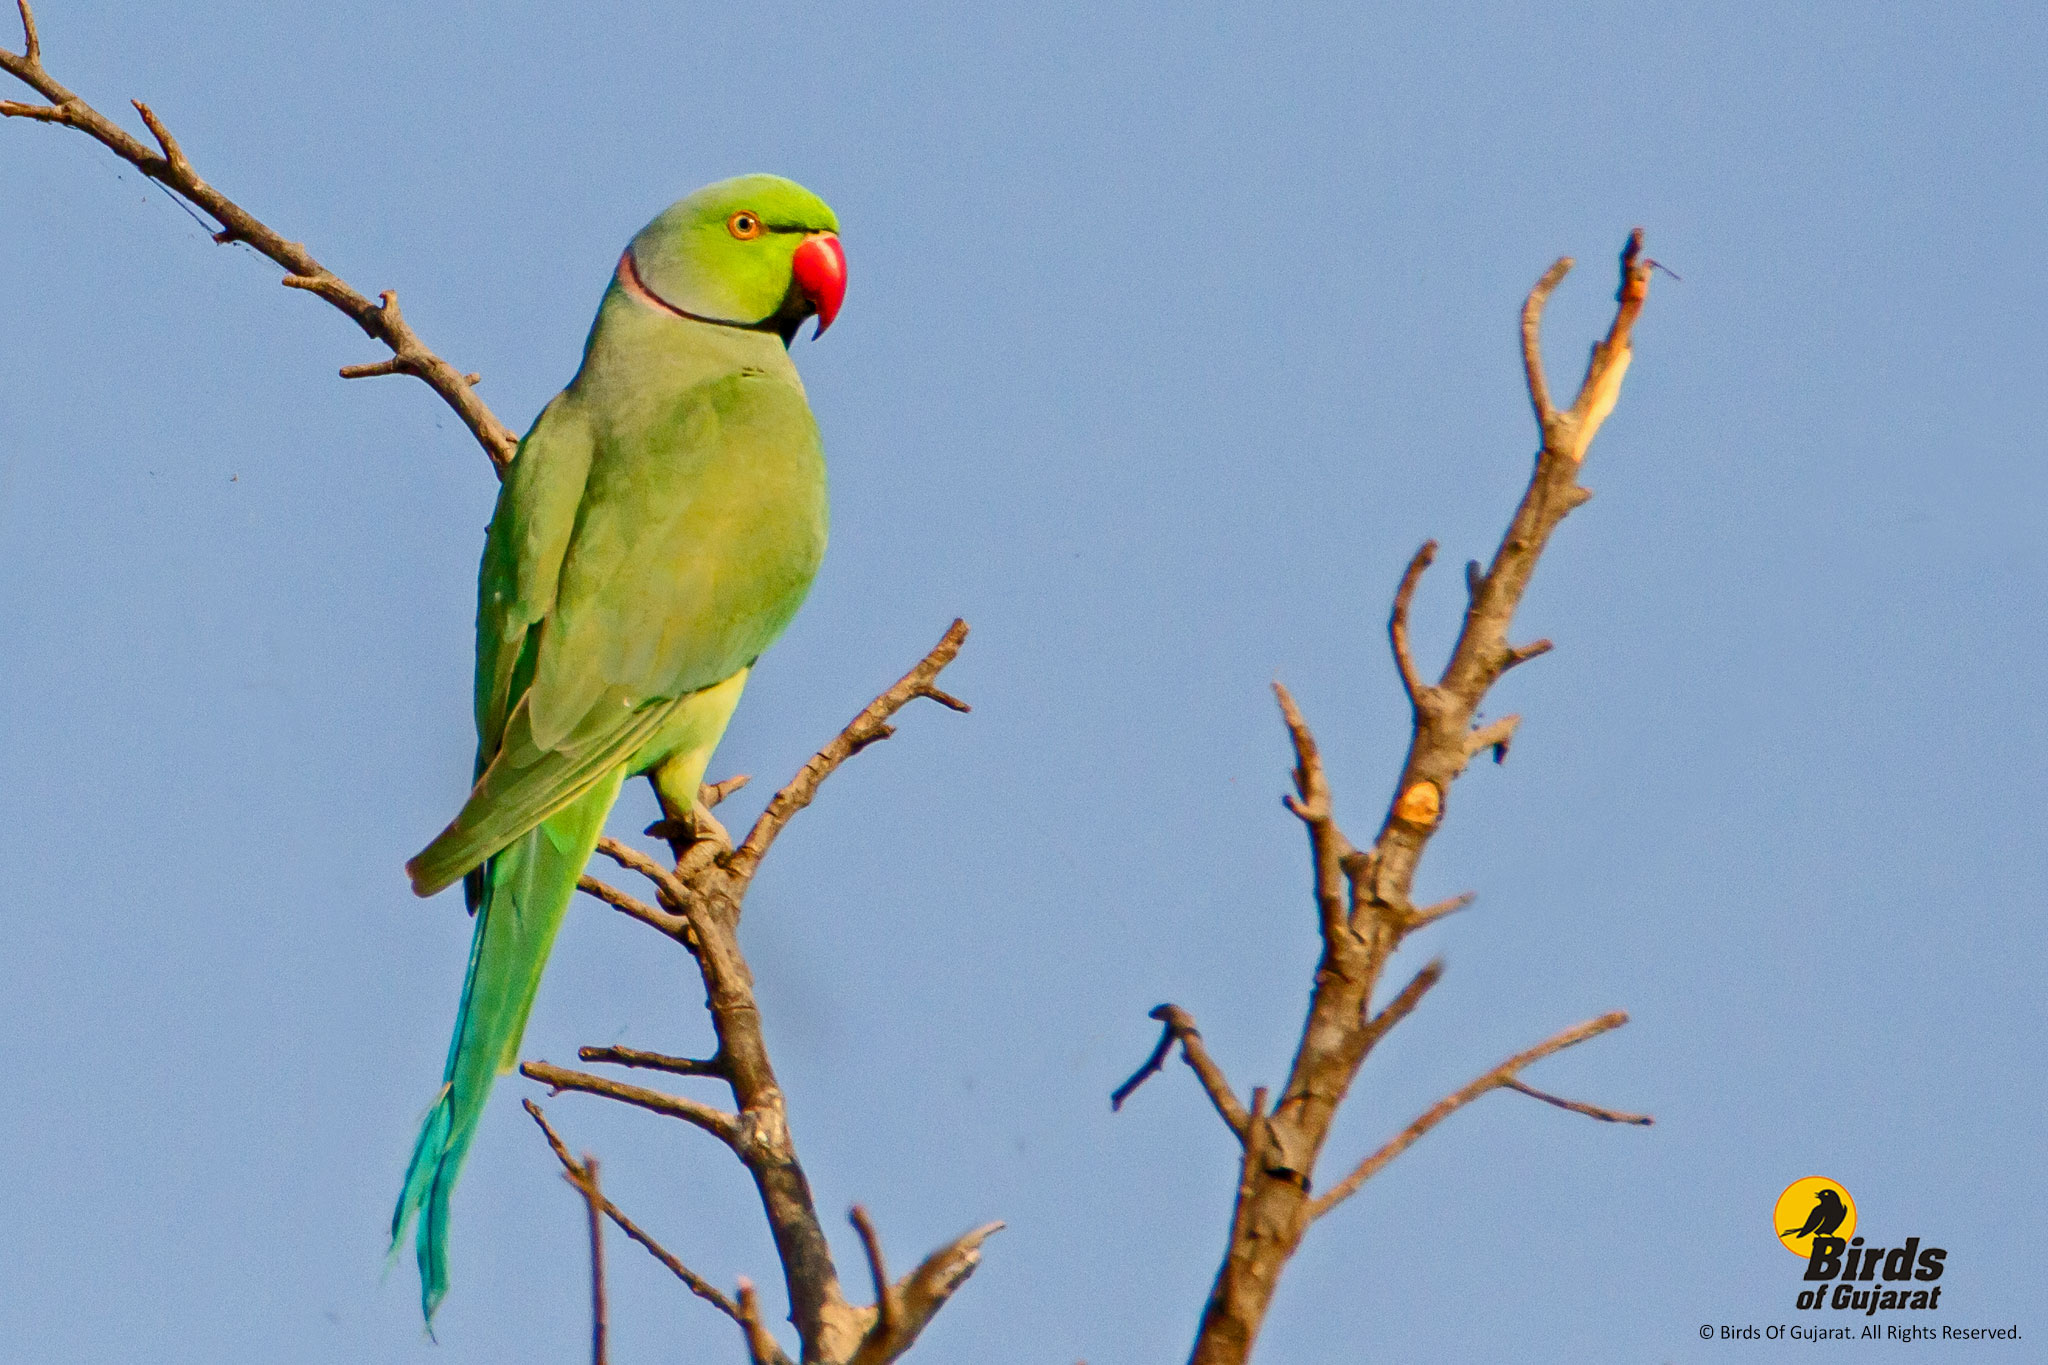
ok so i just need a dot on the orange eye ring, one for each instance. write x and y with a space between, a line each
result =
745 225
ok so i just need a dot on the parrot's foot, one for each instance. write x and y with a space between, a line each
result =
696 827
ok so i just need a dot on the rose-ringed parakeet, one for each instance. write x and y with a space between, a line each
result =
657 530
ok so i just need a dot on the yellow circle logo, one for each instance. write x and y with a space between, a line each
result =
1811 1207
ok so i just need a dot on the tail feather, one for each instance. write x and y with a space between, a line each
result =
526 890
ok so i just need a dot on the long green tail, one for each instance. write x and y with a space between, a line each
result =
527 888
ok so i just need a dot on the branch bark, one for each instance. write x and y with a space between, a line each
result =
1363 910
699 899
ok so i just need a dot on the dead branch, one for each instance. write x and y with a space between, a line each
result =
1397 625
1502 1076
675 926
582 1177
864 729
1179 1026
1403 1005
654 1061
1310 804
721 1125
1591 1111
1363 894
761 1345
168 166
1430 914
699 903
694 1282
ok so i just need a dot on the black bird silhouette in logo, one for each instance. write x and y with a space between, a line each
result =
1828 1213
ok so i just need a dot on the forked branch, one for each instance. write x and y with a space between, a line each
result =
1364 910
699 901
1503 1076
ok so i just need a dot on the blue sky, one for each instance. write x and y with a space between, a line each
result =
1169 337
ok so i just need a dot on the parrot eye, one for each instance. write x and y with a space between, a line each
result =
744 225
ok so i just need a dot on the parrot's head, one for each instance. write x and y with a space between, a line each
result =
755 251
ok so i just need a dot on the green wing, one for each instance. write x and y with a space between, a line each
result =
692 542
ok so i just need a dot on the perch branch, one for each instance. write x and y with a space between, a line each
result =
673 892
864 729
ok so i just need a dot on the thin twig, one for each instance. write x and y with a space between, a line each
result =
675 926
583 1178
1328 848
1532 340
1403 1005
168 166
655 1061
712 793
1591 1111
1397 625
762 1348
1430 914
1450 1104
692 1281
721 1125
673 892
1179 1026
864 729
878 1342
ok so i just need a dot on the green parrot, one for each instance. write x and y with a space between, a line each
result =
657 530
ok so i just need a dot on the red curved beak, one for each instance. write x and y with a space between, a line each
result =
820 270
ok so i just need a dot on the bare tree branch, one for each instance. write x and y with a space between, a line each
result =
1397 625
864 729
582 1177
675 926
1532 340
1591 1111
1274 1209
1430 914
654 1061
696 1283
1403 1005
169 167
1311 805
721 1125
1498 1078
1180 1027
761 1345
671 888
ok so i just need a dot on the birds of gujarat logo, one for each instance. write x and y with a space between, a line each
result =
1812 1206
